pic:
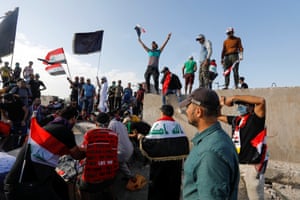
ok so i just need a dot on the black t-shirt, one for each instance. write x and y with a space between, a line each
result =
141 127
254 125
14 110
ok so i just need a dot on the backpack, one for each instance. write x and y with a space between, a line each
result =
101 162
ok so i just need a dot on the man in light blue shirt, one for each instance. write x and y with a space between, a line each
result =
205 54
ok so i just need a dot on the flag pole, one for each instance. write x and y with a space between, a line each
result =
69 70
68 67
98 63
12 55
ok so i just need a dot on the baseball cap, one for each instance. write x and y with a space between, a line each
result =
164 70
199 37
204 97
103 78
229 29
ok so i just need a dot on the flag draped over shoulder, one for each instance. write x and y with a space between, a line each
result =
139 30
8 28
85 43
166 141
55 69
45 148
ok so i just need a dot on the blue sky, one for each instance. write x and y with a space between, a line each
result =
269 31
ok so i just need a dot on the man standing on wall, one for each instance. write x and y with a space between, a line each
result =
232 53
205 54
153 64
188 72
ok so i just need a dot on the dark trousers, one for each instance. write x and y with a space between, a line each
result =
152 70
165 180
90 191
111 103
228 62
204 75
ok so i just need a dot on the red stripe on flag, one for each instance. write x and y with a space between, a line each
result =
54 52
227 71
55 69
259 138
55 56
46 140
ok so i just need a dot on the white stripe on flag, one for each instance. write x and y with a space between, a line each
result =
55 69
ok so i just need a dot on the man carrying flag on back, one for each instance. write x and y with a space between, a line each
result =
46 145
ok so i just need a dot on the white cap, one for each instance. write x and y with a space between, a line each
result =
200 36
229 29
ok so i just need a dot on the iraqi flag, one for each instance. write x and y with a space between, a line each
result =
227 71
55 69
55 56
45 148
139 30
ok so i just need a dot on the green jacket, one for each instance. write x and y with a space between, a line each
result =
211 171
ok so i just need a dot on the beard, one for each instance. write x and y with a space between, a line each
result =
192 120
193 123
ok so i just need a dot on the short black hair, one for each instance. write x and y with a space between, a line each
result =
167 110
68 112
103 118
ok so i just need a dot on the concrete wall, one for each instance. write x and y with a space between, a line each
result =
282 119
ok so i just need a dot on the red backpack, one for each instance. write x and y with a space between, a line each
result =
101 162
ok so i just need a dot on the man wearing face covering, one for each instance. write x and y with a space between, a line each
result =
248 136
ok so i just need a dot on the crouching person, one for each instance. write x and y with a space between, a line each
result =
101 162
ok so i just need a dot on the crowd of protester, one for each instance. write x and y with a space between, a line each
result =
104 97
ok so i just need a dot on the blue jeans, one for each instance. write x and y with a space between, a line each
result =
163 97
88 104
